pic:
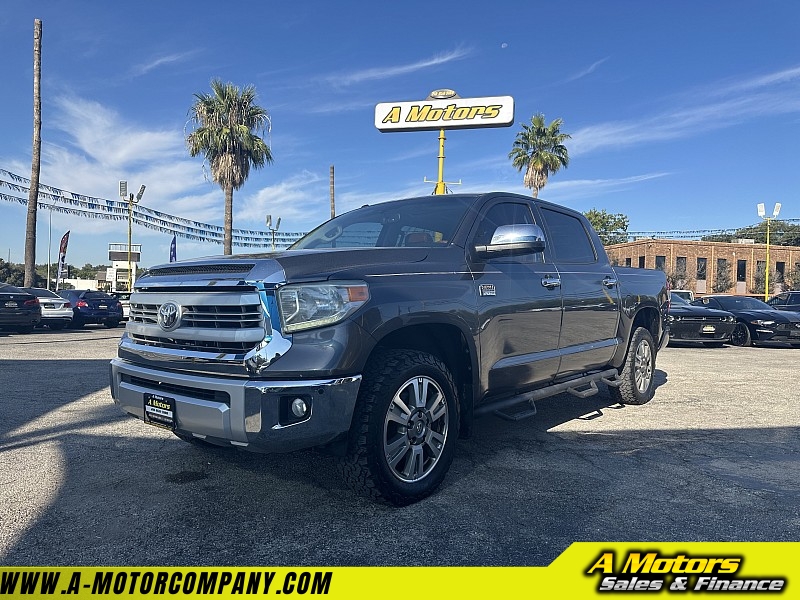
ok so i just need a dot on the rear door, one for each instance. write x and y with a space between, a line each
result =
519 311
589 289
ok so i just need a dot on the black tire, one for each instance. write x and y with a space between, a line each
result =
638 372
714 344
25 329
404 429
57 325
111 324
77 323
741 335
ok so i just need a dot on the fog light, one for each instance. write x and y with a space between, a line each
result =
299 407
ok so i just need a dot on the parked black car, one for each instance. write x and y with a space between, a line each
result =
91 307
19 310
786 301
756 321
692 323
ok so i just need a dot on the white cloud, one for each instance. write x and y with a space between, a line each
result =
716 107
378 73
160 61
588 70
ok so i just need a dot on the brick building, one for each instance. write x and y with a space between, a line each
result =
704 261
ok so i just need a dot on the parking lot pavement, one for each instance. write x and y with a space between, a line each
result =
715 456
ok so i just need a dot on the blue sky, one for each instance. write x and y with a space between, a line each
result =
684 115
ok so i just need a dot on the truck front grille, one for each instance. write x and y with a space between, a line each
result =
214 346
205 316
213 321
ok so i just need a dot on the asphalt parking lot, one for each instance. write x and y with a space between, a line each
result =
714 457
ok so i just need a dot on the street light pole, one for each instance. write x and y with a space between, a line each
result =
762 213
123 192
273 229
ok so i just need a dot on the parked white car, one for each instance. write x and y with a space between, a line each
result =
56 311
124 299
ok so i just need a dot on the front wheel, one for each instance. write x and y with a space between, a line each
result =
638 372
741 335
404 429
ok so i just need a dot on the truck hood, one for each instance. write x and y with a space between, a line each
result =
277 267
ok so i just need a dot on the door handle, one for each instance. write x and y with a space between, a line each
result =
551 282
609 282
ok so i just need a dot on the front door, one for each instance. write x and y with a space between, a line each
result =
519 309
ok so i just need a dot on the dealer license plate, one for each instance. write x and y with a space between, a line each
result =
102 306
709 329
159 411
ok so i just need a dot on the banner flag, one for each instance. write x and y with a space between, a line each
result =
62 258
173 253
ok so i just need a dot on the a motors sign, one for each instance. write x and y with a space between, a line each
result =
451 113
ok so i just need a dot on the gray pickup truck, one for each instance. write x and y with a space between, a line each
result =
381 335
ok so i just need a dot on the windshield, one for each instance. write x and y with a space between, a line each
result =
42 293
419 222
742 303
676 299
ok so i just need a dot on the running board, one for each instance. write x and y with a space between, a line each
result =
573 386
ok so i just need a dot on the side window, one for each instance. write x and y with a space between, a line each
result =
505 213
568 237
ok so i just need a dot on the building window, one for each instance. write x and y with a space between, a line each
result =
741 270
661 262
680 264
701 269
628 262
780 268
641 262
761 266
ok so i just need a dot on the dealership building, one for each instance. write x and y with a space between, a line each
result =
705 262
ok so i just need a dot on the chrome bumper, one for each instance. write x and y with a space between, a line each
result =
246 413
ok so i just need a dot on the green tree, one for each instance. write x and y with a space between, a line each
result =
723 280
792 281
612 228
227 126
539 149
14 274
680 279
759 280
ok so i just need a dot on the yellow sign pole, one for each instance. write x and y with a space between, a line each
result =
440 187
766 269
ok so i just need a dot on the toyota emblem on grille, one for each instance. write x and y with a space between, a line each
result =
169 316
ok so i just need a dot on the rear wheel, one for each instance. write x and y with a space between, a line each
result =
111 323
638 381
25 329
404 429
741 335
77 323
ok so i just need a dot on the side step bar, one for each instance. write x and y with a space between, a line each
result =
582 387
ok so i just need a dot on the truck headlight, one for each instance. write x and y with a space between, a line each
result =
308 305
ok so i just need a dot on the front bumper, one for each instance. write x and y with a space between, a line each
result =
700 332
246 413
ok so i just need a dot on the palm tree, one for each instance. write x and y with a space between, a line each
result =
540 150
33 191
227 127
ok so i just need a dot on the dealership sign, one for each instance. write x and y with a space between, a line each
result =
445 110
